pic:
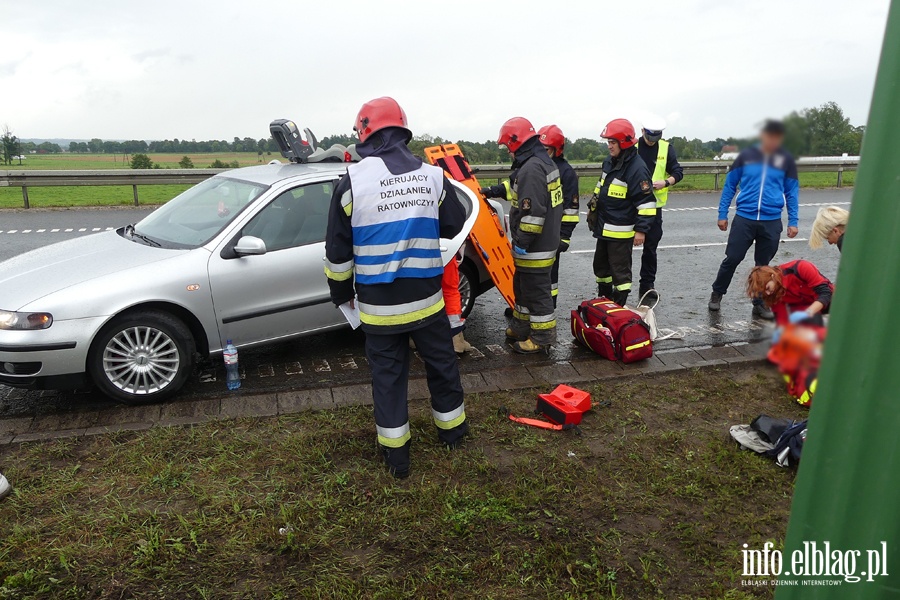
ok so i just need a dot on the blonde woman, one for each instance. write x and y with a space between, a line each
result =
829 225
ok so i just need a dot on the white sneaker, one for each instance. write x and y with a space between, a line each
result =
5 488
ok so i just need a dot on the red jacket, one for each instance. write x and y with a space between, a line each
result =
803 285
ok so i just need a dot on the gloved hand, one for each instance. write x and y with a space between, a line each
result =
593 216
798 316
518 250
776 335
486 192
563 245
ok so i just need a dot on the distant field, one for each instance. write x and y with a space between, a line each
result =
65 162
159 194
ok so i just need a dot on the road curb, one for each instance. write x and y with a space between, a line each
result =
243 405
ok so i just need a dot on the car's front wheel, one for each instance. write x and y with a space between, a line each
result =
142 357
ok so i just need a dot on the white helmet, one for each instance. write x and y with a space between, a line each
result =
654 123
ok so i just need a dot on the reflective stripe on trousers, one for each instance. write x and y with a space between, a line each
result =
449 420
393 437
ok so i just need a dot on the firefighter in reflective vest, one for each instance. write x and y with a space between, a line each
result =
665 172
554 141
386 219
621 211
535 192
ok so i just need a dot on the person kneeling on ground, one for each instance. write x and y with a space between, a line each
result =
830 225
796 291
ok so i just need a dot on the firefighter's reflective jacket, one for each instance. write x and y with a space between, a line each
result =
384 233
623 200
535 192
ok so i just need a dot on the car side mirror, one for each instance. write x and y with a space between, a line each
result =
249 245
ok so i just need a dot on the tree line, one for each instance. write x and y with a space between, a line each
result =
819 131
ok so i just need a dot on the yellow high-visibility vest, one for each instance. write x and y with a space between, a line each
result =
659 173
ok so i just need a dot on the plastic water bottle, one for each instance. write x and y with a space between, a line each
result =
232 371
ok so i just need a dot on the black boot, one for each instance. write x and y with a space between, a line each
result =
715 302
604 290
763 312
620 297
397 460
453 438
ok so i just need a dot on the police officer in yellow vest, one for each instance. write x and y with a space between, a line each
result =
385 224
665 171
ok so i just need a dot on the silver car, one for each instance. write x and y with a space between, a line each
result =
239 256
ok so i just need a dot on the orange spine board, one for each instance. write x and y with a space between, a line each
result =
488 234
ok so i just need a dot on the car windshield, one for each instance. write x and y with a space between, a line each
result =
196 216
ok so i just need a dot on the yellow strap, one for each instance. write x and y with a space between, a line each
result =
641 345
530 228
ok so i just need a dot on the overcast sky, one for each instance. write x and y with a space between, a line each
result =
201 70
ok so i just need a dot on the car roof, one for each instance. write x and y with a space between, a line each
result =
273 173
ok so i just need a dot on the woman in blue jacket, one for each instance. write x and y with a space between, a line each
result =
762 180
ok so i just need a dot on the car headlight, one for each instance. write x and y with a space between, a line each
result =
24 321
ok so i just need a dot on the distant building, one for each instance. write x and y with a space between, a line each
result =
727 155
729 149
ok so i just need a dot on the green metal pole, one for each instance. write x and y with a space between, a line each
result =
848 486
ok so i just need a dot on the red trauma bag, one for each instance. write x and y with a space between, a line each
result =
630 334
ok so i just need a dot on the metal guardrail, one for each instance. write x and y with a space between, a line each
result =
103 177
135 177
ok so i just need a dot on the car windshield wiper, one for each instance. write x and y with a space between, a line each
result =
130 231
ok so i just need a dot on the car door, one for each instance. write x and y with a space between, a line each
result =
284 291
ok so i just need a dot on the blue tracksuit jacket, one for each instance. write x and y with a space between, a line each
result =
761 185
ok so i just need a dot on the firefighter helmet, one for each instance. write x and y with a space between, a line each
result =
515 132
378 114
552 137
620 130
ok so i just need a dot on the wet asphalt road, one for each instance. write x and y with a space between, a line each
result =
690 253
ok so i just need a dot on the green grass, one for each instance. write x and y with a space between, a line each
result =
115 195
68 162
652 500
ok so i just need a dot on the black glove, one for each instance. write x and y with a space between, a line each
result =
563 245
486 192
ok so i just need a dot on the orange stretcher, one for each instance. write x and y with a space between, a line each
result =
488 234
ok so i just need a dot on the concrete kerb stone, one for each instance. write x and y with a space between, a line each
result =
352 395
295 401
15 426
248 405
140 418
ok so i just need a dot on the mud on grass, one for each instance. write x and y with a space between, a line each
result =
652 500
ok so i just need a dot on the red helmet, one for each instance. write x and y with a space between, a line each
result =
515 132
620 130
377 114
552 137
